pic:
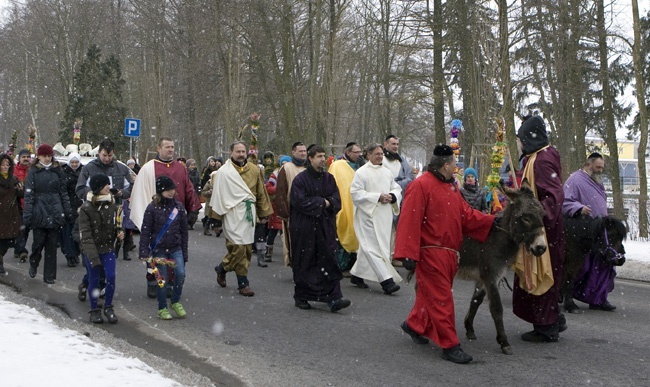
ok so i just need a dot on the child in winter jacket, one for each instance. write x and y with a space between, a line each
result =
163 243
98 230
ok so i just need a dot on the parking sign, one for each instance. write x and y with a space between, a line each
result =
132 127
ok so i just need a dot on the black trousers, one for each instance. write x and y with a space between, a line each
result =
45 238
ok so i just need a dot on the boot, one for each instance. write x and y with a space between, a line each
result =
152 289
268 254
126 253
96 316
110 314
206 229
261 251
2 265
83 291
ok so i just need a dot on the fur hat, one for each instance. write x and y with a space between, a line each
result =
45 150
164 183
443 150
98 182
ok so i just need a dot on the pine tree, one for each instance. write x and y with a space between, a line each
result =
97 100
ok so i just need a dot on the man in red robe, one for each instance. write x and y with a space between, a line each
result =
431 235
541 165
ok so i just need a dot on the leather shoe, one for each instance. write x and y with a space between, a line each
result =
32 271
607 307
303 305
358 282
456 355
417 338
339 304
246 292
221 277
391 288
49 281
536 337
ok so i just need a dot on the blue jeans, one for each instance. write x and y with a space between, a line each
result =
108 267
179 278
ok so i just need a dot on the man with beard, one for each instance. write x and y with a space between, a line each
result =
315 201
402 173
241 202
283 193
343 171
584 195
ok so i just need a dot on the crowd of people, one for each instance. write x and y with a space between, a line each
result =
362 216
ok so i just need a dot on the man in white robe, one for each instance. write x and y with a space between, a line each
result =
376 197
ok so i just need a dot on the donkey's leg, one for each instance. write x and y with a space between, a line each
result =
477 300
567 294
496 310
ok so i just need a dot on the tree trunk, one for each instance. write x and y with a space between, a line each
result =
643 122
608 115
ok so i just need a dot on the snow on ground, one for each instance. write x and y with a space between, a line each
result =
36 352
34 348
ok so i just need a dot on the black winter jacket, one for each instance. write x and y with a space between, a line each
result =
155 217
121 178
71 177
97 228
46 198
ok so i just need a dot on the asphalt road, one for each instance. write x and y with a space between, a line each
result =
265 340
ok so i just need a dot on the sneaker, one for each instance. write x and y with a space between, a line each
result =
456 355
179 310
110 314
163 314
83 291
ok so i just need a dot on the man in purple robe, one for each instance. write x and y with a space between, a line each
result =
543 170
584 195
315 201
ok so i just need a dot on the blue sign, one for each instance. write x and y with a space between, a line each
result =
132 127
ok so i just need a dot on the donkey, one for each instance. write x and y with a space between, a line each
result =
521 226
602 235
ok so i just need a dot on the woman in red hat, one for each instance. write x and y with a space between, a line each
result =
47 208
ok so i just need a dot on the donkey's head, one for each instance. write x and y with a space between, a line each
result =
609 236
523 219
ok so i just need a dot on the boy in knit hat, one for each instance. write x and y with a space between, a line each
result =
98 230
